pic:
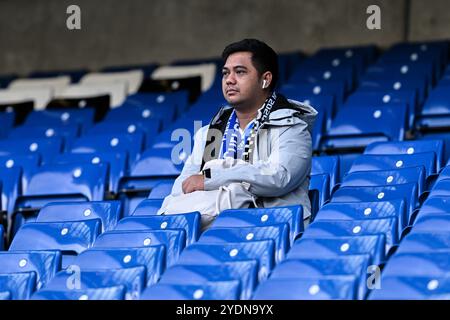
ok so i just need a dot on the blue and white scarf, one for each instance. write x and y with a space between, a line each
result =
236 146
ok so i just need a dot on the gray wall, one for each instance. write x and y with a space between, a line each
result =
34 37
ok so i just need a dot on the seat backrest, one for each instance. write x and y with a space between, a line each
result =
109 212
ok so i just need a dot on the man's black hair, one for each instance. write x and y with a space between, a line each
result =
264 58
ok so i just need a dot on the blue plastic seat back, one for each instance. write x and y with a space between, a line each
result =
386 177
425 241
80 182
223 290
2 242
190 222
406 191
133 279
278 233
413 288
365 210
217 253
20 285
7 120
432 222
173 240
152 258
441 188
327 164
108 293
330 288
82 117
44 263
358 127
320 184
369 162
243 271
109 212
346 228
179 99
161 190
157 163
42 132
435 205
136 111
409 147
437 103
424 264
333 88
113 142
68 237
47 148
28 164
147 207
361 98
10 186
355 265
5 295
117 163
262 217
317 74
149 128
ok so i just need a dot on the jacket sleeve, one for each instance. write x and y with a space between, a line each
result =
288 165
193 162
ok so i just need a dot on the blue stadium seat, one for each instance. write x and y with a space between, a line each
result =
319 192
131 111
263 217
425 264
7 120
436 109
243 271
441 188
173 240
413 288
147 207
10 187
152 258
71 238
117 164
64 182
346 228
277 232
319 74
153 167
223 290
161 190
190 222
179 99
116 143
409 147
217 253
149 128
107 293
386 177
20 285
108 212
330 288
28 164
435 205
47 148
329 165
365 210
355 265
432 222
84 118
335 89
425 241
45 264
369 162
5 295
399 70
355 127
133 279
42 132
2 242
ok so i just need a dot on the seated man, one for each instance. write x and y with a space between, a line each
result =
261 127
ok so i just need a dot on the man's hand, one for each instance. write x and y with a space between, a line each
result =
194 183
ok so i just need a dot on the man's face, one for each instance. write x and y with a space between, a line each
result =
240 81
